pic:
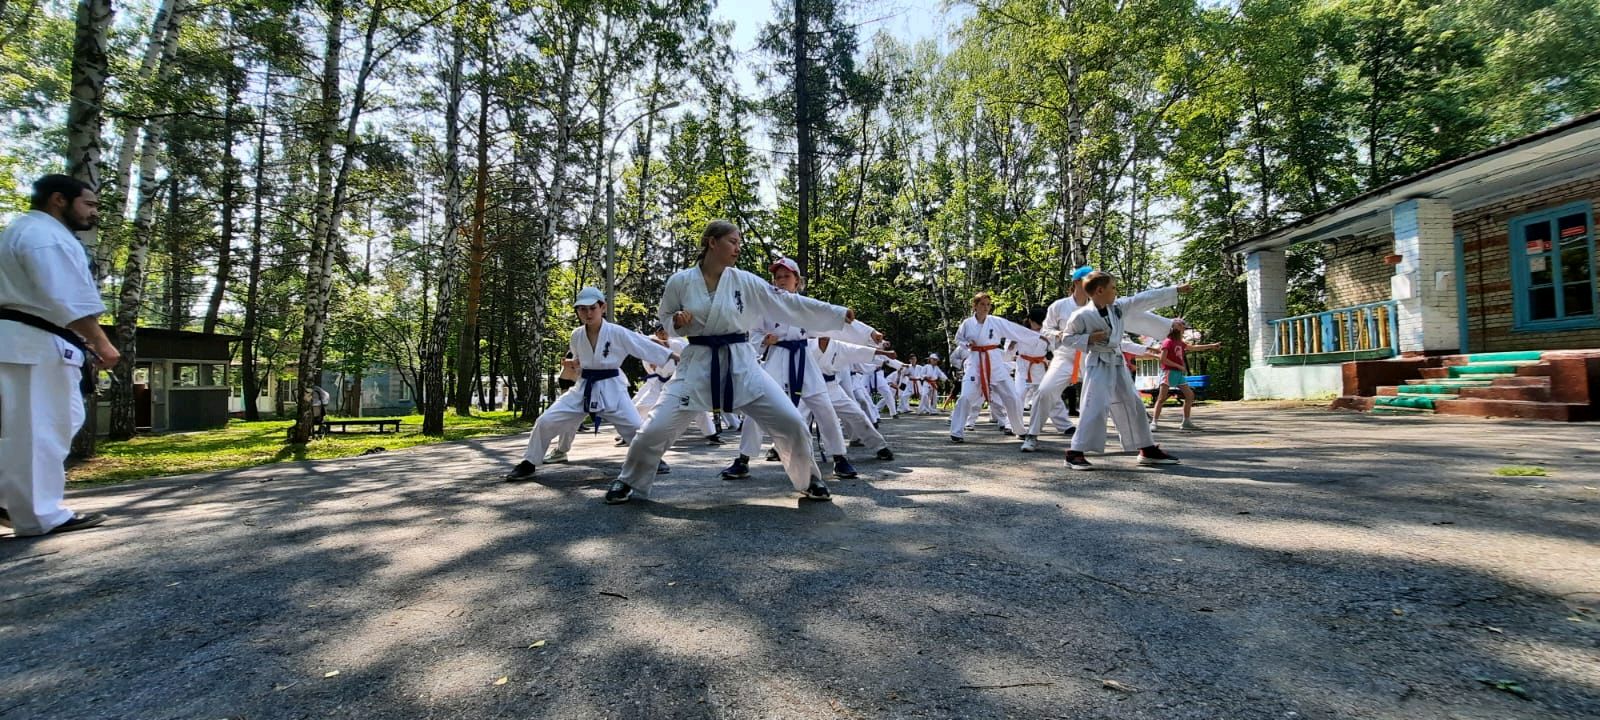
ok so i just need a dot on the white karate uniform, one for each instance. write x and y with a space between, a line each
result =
741 304
1031 364
814 398
1107 387
44 271
985 370
928 379
649 394
859 392
832 361
883 383
607 397
906 380
1066 364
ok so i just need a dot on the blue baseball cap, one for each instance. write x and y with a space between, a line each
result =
1081 273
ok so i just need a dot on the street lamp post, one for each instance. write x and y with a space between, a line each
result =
611 210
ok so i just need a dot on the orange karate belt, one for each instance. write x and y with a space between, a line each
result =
1027 375
983 367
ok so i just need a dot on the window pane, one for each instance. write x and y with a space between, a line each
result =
1542 303
1580 300
1539 272
1573 228
185 375
1536 237
1575 263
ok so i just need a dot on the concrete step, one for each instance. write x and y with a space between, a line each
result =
1418 402
1523 381
1503 369
1451 382
1531 393
1398 410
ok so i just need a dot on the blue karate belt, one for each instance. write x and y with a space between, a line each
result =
721 377
797 367
589 379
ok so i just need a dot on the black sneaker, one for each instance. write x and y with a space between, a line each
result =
1154 455
714 439
957 439
818 491
857 443
523 472
662 467
1076 461
772 455
79 521
885 454
620 492
739 470
620 443
1069 432
842 467
5 517
1007 432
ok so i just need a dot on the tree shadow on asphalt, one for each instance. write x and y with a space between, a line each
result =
965 604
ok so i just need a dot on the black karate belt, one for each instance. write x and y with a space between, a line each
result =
90 359
590 377
797 367
658 376
721 378
829 378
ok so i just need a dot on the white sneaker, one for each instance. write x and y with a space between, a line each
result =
555 457
1187 425
1152 427
1029 444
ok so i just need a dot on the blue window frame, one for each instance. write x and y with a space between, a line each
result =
1553 269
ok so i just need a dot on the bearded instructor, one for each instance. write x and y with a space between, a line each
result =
49 332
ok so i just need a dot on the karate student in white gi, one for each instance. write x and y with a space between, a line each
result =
1031 363
717 306
49 330
832 356
655 379
928 388
792 362
906 384
884 384
985 378
1096 330
598 349
1066 363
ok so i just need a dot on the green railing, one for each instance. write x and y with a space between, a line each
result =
1360 332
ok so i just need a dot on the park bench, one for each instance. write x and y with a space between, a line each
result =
344 425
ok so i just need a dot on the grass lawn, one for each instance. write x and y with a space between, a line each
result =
247 444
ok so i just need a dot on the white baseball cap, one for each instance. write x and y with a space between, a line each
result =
589 296
790 265
933 356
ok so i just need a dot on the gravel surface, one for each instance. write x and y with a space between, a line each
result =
1300 564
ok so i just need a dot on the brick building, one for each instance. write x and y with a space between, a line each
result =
1492 253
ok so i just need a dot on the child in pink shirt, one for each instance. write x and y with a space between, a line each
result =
1174 367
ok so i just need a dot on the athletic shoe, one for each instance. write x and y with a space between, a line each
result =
662 467
818 491
1076 461
620 492
714 439
1007 432
971 426
79 521
885 454
620 443
1152 427
1029 444
5 518
842 468
524 471
857 443
772 455
1188 425
1154 455
1069 432
739 470
555 457
957 439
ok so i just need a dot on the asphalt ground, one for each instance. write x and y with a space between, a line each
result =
1300 563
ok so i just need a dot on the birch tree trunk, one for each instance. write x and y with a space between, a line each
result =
89 70
439 330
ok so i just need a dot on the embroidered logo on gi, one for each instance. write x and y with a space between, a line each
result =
683 402
607 351
69 354
738 300
991 333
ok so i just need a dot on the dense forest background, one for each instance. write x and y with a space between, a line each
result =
426 183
